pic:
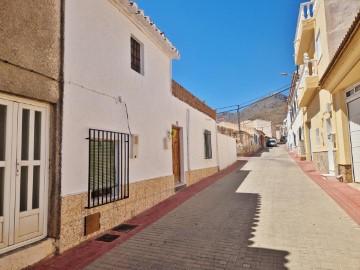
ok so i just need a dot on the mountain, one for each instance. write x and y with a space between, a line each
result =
272 108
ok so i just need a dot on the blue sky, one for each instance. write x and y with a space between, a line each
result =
231 51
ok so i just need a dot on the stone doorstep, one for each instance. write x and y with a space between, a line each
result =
28 255
179 187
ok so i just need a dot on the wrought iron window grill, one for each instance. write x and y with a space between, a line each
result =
108 167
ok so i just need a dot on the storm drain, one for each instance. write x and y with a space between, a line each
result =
108 237
124 227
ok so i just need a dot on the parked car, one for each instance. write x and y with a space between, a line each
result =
283 139
271 143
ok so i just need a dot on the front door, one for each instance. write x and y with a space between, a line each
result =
23 174
330 147
176 154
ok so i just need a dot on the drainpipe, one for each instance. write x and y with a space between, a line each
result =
187 138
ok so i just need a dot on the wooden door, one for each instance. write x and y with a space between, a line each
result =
176 154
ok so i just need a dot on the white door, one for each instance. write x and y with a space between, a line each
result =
23 173
330 145
354 128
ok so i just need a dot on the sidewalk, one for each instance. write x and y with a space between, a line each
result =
87 252
347 197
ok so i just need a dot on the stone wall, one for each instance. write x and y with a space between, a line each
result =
142 196
321 161
346 172
185 96
195 176
21 258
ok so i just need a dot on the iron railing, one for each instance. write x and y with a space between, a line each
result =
108 167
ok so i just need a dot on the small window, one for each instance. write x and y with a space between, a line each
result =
108 167
136 56
208 149
318 47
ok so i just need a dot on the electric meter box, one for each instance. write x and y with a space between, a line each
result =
134 146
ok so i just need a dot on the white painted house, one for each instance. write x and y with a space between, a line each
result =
130 135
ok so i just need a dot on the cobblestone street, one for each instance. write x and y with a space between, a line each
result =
265 215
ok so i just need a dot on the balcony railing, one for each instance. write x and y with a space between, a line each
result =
308 80
307 11
310 66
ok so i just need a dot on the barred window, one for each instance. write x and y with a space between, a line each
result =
207 139
108 167
136 55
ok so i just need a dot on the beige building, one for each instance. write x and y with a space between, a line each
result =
30 123
342 80
320 30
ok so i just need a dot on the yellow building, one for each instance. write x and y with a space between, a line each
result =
342 80
322 24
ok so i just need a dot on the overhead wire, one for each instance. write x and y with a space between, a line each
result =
242 107
278 89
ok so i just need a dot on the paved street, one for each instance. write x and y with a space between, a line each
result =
266 215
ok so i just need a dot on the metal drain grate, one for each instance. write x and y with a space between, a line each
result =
124 227
108 237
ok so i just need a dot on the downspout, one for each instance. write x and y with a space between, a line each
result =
187 138
217 148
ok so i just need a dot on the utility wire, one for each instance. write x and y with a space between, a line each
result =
242 107
287 86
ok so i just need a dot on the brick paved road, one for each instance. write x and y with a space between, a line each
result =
268 215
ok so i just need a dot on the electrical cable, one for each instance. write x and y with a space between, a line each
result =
278 89
127 118
117 99
242 107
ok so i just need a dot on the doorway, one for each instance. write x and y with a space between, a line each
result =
23 173
330 147
175 132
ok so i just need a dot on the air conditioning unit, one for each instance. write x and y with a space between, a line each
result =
134 146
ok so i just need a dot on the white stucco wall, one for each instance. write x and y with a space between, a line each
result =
226 150
97 68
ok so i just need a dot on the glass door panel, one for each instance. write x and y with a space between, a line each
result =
30 176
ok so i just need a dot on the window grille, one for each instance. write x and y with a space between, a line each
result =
108 167
135 55
208 150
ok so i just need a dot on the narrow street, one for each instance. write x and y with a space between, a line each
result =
267 214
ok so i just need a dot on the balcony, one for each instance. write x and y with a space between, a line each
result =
304 38
309 81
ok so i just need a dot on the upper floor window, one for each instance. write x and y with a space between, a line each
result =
136 56
318 47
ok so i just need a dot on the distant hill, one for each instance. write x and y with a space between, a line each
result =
272 109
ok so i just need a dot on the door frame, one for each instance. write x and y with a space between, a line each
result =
46 106
348 100
181 153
